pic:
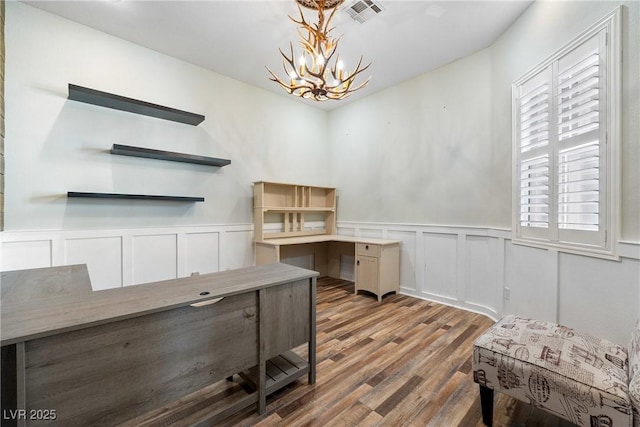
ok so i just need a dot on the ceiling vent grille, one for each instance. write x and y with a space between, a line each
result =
363 10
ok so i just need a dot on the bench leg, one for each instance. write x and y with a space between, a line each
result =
486 401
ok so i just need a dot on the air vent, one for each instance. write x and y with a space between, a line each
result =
363 10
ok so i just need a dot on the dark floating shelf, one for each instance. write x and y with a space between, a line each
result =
134 196
117 102
126 150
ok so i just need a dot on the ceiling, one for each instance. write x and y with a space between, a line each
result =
238 38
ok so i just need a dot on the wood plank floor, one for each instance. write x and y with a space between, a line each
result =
402 362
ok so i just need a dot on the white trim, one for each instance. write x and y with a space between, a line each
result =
474 308
627 248
472 230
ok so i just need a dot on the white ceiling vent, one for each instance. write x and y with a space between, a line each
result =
363 10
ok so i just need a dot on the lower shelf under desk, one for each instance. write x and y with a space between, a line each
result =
221 400
282 370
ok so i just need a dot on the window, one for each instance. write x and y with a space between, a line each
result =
565 145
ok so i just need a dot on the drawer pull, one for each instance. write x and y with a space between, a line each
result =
366 247
207 302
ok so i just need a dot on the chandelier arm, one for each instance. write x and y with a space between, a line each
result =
347 82
357 71
328 21
319 75
301 14
290 88
303 22
288 60
307 46
285 86
348 88
276 79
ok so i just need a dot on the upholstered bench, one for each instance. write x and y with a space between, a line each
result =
585 379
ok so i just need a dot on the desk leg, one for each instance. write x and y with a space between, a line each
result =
13 385
312 332
262 363
21 386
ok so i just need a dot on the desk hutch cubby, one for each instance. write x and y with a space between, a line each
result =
293 208
298 222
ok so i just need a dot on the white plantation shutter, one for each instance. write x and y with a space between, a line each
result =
534 192
578 188
534 128
581 112
563 164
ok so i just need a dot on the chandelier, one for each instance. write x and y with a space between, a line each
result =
318 73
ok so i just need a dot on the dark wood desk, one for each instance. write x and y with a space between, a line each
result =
102 358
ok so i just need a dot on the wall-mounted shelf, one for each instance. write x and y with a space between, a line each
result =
127 150
134 196
117 102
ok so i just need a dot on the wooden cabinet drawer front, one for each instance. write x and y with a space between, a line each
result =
367 249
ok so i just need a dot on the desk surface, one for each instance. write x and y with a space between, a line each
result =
39 283
49 315
326 238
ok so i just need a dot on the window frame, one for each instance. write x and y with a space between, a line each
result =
609 167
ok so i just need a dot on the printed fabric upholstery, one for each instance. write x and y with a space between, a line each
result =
574 375
634 373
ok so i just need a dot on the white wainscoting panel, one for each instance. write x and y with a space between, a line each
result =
441 266
236 248
482 285
118 258
202 253
103 256
155 257
408 253
531 276
26 254
600 291
373 233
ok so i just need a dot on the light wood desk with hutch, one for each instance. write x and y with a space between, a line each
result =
293 220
